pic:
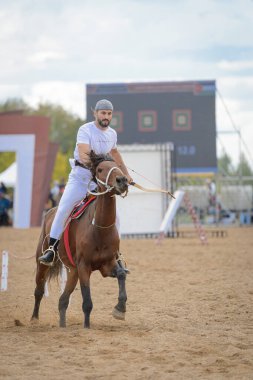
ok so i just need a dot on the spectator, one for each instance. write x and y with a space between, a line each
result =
5 205
211 192
3 188
54 194
62 185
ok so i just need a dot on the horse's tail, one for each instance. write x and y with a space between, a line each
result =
54 271
42 238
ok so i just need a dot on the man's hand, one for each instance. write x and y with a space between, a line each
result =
129 179
119 161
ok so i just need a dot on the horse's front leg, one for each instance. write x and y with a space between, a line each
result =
84 278
64 299
120 309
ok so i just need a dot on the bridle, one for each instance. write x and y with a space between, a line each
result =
108 189
105 184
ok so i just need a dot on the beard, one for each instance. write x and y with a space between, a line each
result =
103 123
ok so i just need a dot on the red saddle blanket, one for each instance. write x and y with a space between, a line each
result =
75 214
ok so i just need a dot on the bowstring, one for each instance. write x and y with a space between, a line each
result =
141 175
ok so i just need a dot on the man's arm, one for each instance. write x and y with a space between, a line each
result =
119 161
83 150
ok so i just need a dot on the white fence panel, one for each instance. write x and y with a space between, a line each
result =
142 212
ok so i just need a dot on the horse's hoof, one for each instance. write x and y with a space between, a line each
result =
34 321
118 314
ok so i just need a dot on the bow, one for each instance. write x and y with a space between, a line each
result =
151 190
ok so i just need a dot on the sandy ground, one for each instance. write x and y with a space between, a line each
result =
189 314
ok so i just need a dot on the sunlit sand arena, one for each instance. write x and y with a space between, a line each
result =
189 314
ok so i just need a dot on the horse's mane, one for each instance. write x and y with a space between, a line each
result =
95 160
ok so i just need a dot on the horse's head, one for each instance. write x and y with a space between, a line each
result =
107 174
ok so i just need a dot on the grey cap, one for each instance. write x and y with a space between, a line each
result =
103 104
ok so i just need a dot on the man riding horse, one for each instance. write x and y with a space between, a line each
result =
99 137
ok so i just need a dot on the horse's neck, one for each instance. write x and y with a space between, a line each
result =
105 214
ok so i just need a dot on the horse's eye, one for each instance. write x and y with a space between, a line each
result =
100 170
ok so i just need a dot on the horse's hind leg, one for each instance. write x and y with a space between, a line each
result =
42 270
120 309
64 299
41 277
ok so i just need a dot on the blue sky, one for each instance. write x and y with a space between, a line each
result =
50 49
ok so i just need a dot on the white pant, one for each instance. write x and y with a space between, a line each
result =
75 191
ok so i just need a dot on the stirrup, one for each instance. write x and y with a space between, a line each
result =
50 263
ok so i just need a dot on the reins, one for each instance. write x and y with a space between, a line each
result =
108 189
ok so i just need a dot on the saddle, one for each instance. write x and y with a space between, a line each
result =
78 210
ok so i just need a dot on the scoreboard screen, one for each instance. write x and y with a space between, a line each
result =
179 112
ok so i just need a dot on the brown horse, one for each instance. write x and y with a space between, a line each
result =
94 243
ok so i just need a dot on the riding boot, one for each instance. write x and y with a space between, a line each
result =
122 263
50 253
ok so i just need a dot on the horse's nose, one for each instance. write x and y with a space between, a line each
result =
121 180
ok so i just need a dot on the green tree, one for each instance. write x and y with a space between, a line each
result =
243 169
63 130
6 159
15 104
62 167
64 125
225 166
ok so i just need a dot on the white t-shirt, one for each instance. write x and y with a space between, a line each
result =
100 141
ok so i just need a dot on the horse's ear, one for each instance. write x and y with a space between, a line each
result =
91 165
91 154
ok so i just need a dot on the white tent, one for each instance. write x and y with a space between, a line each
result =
9 176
